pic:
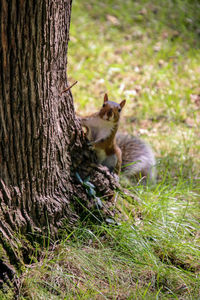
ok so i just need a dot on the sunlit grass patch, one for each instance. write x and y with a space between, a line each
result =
154 250
121 261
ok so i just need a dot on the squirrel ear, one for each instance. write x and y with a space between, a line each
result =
122 103
105 97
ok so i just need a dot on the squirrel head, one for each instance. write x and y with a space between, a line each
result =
110 110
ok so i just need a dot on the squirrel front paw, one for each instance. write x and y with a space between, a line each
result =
91 145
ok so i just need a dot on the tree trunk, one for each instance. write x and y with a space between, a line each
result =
42 144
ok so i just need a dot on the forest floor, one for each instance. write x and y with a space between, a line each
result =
148 54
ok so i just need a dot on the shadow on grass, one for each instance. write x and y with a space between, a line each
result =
169 19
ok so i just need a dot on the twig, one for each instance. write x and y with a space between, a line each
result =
68 88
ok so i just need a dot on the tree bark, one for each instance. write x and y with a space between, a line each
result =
42 144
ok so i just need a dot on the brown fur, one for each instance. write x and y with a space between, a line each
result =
105 124
114 149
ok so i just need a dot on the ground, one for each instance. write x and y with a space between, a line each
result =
149 54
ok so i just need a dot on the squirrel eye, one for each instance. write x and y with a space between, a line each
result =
119 109
104 105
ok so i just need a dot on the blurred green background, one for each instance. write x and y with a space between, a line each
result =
147 52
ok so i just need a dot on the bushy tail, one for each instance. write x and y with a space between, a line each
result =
137 157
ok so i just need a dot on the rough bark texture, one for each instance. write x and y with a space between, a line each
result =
41 141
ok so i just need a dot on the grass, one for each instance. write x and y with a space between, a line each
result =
147 52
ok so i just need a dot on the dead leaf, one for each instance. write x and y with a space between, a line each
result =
130 93
157 47
143 11
190 122
162 63
195 99
113 20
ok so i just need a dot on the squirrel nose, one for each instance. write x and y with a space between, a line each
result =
109 113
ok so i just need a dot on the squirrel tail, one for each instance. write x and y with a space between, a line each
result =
137 157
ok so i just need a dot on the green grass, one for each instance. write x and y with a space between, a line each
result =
147 52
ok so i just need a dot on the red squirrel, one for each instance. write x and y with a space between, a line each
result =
116 150
101 132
